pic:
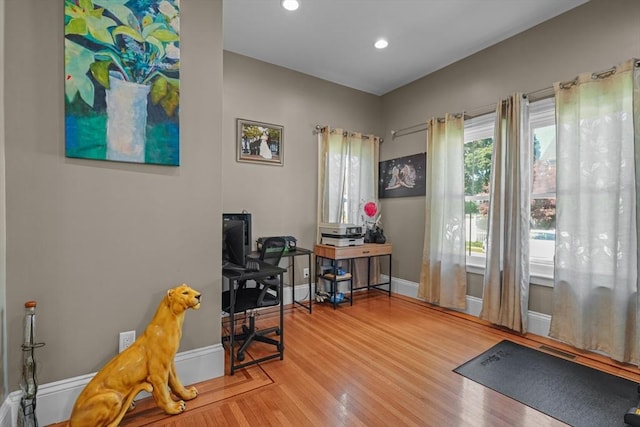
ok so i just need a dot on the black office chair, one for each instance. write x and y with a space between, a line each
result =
266 293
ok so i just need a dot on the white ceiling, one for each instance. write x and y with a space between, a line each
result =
333 39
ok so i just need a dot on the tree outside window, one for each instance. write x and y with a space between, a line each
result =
477 173
478 152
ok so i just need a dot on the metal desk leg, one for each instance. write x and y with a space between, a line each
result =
310 279
390 275
232 314
368 273
281 316
334 283
351 268
292 278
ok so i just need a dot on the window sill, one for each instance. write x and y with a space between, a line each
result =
540 274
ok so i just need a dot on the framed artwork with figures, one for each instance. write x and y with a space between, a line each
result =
403 176
259 142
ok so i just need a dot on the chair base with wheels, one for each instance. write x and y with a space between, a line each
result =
250 334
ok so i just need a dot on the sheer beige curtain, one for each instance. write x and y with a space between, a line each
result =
596 265
347 177
505 296
443 276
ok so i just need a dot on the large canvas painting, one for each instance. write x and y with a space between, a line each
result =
402 177
122 86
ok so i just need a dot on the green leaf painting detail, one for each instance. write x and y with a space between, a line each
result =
137 42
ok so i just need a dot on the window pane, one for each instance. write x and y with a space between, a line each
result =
477 166
476 215
477 173
542 246
478 151
544 163
543 189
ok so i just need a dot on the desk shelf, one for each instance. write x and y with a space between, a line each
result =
333 280
338 278
348 254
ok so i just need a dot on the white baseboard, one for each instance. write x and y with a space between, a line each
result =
302 293
538 323
55 400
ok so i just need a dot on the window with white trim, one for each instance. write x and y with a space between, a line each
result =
542 238
478 150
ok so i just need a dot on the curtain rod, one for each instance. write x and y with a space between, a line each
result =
595 76
318 129
536 95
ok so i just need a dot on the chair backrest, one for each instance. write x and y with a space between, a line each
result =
272 250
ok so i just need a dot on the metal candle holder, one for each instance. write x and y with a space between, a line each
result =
28 381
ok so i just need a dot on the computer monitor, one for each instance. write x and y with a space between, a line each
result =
246 218
233 245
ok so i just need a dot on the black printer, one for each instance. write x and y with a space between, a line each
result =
291 243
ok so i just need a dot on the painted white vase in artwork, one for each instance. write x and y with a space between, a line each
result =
126 120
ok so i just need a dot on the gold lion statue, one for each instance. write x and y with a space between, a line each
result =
148 364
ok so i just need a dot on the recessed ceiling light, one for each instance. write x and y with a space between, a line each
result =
290 4
381 44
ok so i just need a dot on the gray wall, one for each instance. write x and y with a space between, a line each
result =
592 37
97 244
282 200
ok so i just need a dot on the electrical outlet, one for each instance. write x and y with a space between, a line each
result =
305 273
126 339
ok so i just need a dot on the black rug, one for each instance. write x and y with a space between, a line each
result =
572 393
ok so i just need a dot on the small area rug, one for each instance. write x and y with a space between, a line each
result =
572 393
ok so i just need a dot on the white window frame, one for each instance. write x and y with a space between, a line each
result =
541 113
480 127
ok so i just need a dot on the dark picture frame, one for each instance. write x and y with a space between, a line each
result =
258 142
402 176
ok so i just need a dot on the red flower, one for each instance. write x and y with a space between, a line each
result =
370 209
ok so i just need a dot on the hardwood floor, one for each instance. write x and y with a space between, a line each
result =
385 361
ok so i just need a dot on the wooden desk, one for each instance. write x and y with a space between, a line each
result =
350 253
